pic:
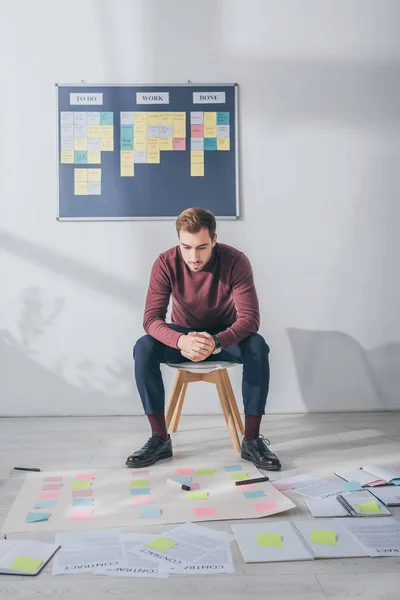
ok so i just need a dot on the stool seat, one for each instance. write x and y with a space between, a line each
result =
212 372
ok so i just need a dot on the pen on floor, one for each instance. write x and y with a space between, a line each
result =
26 469
247 481
181 485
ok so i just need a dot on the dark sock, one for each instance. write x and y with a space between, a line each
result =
251 427
158 425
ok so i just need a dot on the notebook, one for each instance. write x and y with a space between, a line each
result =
347 505
328 538
24 557
371 475
387 494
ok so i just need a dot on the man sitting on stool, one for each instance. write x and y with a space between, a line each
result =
215 316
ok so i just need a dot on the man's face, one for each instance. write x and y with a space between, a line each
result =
196 248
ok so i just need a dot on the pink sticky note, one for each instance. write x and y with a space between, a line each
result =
267 506
84 476
282 486
141 500
245 485
49 479
49 495
205 512
81 493
197 130
185 471
179 144
81 514
378 482
398 497
194 486
143 474
52 486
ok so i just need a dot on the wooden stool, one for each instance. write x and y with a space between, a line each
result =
212 372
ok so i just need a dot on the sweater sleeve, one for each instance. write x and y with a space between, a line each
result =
246 302
157 301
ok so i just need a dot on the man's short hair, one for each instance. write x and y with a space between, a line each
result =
193 220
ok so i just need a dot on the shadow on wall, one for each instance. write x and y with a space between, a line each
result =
336 373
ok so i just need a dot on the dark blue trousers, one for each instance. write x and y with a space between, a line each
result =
252 353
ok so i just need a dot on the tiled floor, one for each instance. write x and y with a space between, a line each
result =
313 444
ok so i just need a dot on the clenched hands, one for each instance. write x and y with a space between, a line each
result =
196 345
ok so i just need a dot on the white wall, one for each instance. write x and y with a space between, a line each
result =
320 156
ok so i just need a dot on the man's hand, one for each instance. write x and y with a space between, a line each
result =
196 346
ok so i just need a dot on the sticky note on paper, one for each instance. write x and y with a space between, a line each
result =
140 483
194 486
282 487
25 564
149 513
205 472
142 500
269 540
205 512
45 504
140 491
83 502
161 544
239 476
396 481
325 537
139 473
82 493
197 169
182 478
352 486
52 479
81 514
368 507
266 506
255 494
233 468
81 485
52 486
49 495
185 471
35 517
197 495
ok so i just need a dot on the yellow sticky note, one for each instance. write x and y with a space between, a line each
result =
197 495
210 119
25 564
223 144
106 131
161 544
80 174
80 189
179 124
327 537
153 118
107 144
139 118
81 485
67 157
165 118
140 483
368 507
238 476
153 144
127 170
205 472
153 157
80 144
94 131
269 540
166 144
94 158
126 157
210 132
197 156
94 174
197 169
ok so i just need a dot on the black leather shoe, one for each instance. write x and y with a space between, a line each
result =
156 448
258 453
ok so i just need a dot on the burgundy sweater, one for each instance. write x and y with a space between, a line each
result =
221 295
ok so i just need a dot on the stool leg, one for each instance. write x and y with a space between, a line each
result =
174 397
178 408
232 402
219 382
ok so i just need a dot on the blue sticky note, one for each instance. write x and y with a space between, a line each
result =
232 468
83 502
80 157
222 118
396 481
140 491
210 143
126 143
126 131
255 494
106 118
45 504
352 486
182 478
34 517
149 513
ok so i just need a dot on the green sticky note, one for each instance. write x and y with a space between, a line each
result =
23 563
161 544
368 507
269 540
238 476
140 483
205 471
81 485
197 495
327 537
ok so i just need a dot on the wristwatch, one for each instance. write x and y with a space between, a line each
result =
218 348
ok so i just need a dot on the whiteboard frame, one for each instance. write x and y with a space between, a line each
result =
188 84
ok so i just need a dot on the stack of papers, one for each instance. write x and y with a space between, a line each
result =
311 487
371 475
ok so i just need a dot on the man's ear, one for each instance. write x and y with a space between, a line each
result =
214 240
